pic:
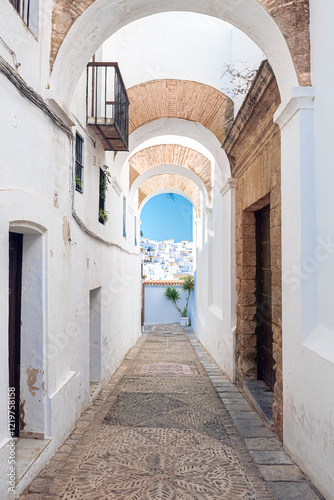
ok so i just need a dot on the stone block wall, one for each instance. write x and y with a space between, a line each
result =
253 146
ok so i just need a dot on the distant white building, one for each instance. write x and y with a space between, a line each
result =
166 259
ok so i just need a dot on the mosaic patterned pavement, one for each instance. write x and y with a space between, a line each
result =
161 432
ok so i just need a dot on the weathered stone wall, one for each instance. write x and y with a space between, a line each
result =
291 16
253 146
293 19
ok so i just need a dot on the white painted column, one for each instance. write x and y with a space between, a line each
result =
298 212
208 234
307 374
198 273
229 280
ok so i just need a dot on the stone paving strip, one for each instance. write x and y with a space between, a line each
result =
285 480
169 425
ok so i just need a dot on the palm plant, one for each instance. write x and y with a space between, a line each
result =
173 295
188 286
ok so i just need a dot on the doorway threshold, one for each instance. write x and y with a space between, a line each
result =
261 397
27 451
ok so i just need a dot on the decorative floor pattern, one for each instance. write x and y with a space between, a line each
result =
161 433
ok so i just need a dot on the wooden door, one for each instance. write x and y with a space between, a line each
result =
14 320
265 360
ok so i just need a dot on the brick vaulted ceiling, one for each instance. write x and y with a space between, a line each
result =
165 181
191 101
171 154
291 16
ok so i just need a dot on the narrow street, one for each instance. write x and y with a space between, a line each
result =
170 425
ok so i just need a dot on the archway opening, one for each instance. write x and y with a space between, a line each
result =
168 259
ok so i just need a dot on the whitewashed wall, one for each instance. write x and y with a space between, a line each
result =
308 277
61 262
214 322
159 309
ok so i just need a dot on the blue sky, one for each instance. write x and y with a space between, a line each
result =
162 218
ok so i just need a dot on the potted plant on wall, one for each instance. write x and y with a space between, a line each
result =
173 295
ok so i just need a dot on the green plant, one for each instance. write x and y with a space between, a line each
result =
173 295
78 183
105 180
103 215
188 286
144 277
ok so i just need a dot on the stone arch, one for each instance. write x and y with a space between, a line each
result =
178 128
80 29
171 154
174 170
169 190
191 101
168 182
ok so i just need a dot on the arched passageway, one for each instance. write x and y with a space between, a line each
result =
103 254
287 66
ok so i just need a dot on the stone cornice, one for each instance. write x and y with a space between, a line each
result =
254 149
262 79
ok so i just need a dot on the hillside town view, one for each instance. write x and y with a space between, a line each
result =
166 260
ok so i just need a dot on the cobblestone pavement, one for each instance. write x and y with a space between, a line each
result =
169 425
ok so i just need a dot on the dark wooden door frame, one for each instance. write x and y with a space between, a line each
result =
14 319
265 360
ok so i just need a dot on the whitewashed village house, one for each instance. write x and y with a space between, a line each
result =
258 171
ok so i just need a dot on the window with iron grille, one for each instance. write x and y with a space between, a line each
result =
29 12
102 197
79 163
124 216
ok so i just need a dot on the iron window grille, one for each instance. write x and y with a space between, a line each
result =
79 163
28 11
124 216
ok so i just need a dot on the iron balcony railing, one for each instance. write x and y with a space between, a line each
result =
108 105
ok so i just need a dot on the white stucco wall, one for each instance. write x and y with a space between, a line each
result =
308 316
214 323
159 309
31 52
61 265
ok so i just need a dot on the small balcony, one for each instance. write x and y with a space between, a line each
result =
107 105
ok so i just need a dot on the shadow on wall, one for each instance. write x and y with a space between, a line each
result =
159 309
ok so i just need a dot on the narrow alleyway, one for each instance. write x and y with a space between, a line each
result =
170 425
